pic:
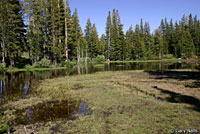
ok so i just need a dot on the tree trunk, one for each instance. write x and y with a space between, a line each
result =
82 54
86 55
3 52
79 69
66 45
12 62
78 53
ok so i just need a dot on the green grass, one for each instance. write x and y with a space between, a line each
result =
120 102
98 65
3 127
162 60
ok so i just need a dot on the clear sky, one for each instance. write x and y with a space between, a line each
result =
131 11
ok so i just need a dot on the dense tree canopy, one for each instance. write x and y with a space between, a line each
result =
31 30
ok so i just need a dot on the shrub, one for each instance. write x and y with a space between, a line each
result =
168 56
82 61
155 58
44 63
71 63
63 64
28 67
100 59
2 67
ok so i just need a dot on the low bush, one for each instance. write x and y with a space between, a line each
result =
168 56
29 67
44 63
71 63
155 58
99 59
84 59
62 64
2 67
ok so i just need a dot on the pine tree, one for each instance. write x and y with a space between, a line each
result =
93 48
196 36
148 40
187 48
171 40
167 37
103 44
129 43
138 44
141 28
15 38
3 29
108 35
116 48
67 17
121 45
88 32
158 44
76 35
178 40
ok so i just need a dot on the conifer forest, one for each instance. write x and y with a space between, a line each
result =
58 75
31 30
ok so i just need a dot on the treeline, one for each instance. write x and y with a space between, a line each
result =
31 30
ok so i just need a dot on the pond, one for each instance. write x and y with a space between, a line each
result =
19 85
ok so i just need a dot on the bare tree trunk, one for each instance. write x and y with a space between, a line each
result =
79 70
12 62
82 54
3 52
78 52
86 68
59 31
160 55
66 44
86 55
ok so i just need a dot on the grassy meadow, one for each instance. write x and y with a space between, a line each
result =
127 102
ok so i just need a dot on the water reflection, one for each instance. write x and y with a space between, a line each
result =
47 111
14 86
84 110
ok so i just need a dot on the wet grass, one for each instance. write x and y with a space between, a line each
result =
121 103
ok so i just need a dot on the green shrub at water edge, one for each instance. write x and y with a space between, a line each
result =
99 59
84 59
2 67
28 67
44 63
168 56
71 63
62 64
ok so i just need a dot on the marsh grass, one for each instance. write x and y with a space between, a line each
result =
121 104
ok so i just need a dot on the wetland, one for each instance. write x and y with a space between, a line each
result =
108 98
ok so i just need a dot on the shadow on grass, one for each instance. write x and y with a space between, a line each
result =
179 98
180 75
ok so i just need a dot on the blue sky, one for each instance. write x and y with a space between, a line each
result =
131 11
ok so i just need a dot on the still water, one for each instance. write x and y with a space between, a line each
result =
15 86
